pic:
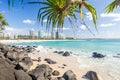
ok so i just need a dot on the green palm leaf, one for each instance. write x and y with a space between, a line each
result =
113 5
92 10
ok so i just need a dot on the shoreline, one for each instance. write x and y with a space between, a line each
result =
71 62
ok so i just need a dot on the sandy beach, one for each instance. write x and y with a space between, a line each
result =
71 62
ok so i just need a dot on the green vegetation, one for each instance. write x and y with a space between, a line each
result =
3 23
113 5
56 11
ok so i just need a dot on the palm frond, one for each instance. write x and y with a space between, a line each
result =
111 7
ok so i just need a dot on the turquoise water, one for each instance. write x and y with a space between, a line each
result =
112 46
83 50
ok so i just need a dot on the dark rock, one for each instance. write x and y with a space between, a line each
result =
61 52
55 52
60 78
41 72
49 61
66 53
56 73
6 70
91 75
21 75
64 65
16 56
69 75
26 63
97 55
39 59
116 56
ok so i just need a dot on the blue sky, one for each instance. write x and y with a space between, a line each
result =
22 19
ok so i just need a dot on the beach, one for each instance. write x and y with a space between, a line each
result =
70 62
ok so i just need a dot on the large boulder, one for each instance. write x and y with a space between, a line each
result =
97 55
21 75
66 53
41 72
15 56
91 75
69 75
26 63
7 71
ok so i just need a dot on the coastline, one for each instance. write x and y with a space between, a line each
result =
70 61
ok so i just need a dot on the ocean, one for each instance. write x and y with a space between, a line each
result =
83 49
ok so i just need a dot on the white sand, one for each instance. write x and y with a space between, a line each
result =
70 61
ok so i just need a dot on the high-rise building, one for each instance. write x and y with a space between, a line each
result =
57 35
32 34
41 34
53 35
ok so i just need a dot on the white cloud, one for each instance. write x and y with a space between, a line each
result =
89 16
114 16
107 25
28 21
45 20
83 27
14 31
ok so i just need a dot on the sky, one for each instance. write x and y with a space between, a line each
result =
23 18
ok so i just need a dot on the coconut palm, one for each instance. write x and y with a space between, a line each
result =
56 11
113 5
3 23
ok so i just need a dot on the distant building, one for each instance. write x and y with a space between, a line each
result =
57 35
61 36
40 34
53 35
32 34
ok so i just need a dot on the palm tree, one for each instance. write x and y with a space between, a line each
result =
3 23
113 5
56 12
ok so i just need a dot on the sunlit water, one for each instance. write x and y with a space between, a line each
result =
83 50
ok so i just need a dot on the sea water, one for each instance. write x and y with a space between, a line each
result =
83 50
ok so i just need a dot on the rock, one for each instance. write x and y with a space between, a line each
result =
66 53
49 61
61 52
41 72
16 56
55 52
64 65
91 75
21 75
60 78
39 59
116 56
56 73
69 75
6 70
26 63
97 55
